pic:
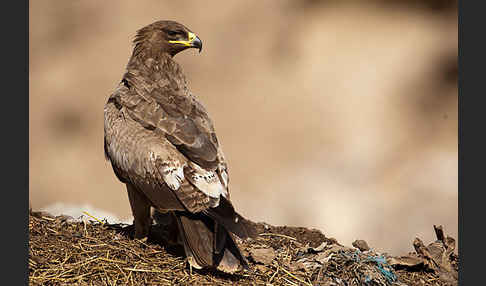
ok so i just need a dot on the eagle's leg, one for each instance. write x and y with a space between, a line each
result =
141 212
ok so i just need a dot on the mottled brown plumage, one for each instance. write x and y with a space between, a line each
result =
162 144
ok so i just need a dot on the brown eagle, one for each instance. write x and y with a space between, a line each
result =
162 144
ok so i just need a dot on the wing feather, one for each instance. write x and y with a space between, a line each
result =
141 154
182 119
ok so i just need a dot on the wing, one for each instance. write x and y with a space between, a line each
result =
161 104
141 153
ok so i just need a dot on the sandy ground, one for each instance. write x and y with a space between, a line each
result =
337 117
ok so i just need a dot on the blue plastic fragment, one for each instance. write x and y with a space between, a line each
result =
381 260
354 256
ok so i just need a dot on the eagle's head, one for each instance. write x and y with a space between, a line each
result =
166 37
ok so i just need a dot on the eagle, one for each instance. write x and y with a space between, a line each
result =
162 145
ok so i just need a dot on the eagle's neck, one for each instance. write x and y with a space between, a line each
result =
160 71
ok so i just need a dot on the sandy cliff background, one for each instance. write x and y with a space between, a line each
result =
336 115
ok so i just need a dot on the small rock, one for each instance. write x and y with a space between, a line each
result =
361 245
263 255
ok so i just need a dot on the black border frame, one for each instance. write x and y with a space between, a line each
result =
15 119
468 177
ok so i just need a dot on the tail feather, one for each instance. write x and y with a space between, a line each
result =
232 254
220 238
208 243
226 215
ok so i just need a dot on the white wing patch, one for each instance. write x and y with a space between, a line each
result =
206 181
173 176
172 170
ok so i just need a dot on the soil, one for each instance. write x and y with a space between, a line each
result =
88 251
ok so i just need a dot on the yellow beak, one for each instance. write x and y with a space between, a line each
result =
193 41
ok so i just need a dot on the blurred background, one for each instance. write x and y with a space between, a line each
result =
335 115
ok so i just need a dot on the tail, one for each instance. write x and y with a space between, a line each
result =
208 243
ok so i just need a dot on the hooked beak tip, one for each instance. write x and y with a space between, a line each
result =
197 43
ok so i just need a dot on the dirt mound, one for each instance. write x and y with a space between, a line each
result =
64 251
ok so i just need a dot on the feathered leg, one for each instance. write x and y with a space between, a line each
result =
141 212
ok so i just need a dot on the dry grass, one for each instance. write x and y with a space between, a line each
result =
92 252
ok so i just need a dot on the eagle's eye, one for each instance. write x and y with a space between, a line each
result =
172 33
